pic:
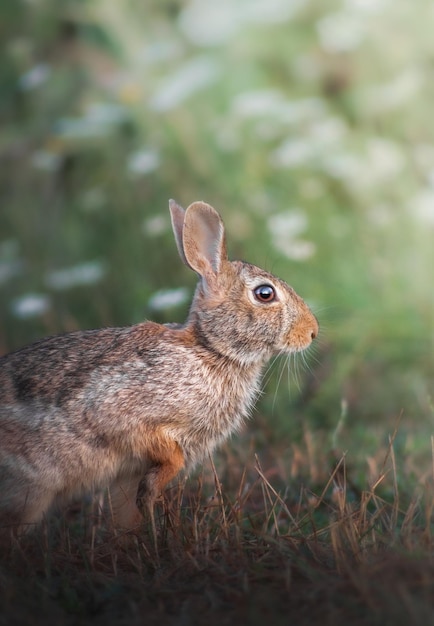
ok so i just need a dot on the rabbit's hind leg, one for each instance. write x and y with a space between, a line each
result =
122 503
24 511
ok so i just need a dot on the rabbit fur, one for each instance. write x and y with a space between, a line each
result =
128 408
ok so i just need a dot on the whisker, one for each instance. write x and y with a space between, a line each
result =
310 359
269 371
296 371
288 375
278 383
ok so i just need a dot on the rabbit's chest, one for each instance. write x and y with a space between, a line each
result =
212 409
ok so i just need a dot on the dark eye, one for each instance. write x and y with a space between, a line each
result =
264 293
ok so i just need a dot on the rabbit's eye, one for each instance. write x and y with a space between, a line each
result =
264 293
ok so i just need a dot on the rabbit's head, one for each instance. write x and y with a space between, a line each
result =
239 310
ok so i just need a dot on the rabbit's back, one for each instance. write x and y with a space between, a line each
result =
55 367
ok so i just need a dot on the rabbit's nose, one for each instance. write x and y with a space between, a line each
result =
314 331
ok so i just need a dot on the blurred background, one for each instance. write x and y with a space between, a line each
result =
306 123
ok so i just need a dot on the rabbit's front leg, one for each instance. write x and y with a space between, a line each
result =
166 462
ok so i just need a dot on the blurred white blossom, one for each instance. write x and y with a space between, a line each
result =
271 103
293 153
78 275
344 166
143 162
155 225
99 119
289 224
317 141
385 159
380 161
106 113
367 6
35 77
304 109
161 50
31 305
168 298
209 23
422 206
285 229
193 76
395 93
341 32
45 160
328 132
257 102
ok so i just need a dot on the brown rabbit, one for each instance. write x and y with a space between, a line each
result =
123 407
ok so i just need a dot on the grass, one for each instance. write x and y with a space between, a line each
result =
247 550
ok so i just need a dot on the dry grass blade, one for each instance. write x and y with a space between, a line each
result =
234 554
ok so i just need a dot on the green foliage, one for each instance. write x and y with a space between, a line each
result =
307 124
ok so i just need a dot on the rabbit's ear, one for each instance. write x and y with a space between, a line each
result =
177 214
204 240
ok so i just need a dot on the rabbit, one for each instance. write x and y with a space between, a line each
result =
129 408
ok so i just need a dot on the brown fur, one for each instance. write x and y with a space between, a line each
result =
130 407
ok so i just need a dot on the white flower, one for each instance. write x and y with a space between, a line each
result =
99 120
168 298
106 113
285 228
143 162
343 166
271 103
45 160
159 51
392 95
340 32
35 77
155 225
328 132
370 7
210 23
288 224
257 102
317 142
31 305
83 274
381 161
422 206
293 153
384 159
193 76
